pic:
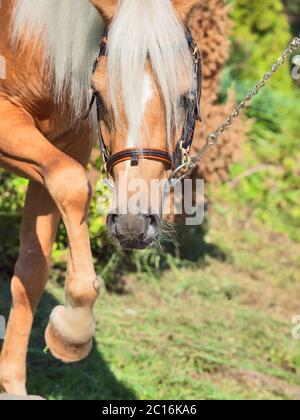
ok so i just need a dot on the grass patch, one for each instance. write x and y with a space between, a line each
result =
219 330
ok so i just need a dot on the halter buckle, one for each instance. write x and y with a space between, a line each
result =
134 160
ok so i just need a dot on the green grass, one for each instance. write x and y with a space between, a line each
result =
218 330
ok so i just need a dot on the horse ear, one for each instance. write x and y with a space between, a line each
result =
184 8
107 8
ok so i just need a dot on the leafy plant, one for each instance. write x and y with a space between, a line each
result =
11 202
267 180
261 31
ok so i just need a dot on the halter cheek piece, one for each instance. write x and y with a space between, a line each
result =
191 103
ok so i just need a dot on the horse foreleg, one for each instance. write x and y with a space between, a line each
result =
71 327
39 224
70 331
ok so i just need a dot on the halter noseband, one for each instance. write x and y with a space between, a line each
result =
192 114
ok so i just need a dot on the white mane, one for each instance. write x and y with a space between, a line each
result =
147 29
70 30
142 29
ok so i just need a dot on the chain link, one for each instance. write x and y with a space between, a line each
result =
212 139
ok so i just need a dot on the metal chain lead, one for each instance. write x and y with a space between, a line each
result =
212 138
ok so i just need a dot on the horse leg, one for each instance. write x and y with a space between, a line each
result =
39 224
70 331
72 326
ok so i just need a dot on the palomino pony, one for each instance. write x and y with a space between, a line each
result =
49 47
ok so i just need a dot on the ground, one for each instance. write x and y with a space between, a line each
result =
220 329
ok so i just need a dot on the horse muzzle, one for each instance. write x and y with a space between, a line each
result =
134 231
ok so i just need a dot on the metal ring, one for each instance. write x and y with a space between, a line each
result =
212 139
173 180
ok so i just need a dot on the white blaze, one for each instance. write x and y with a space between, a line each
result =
147 95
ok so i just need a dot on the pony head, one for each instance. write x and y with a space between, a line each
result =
141 80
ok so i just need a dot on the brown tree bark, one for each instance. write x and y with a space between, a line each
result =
210 24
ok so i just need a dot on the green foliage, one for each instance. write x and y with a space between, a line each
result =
267 180
261 31
293 7
11 202
11 193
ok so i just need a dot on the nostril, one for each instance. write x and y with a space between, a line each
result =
112 221
153 225
155 221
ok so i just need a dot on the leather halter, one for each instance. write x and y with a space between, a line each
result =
192 114
134 155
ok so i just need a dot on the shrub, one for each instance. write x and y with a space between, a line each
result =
267 181
12 191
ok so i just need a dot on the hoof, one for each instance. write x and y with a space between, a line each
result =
64 351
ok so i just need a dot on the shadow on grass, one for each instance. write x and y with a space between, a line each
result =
91 379
193 246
